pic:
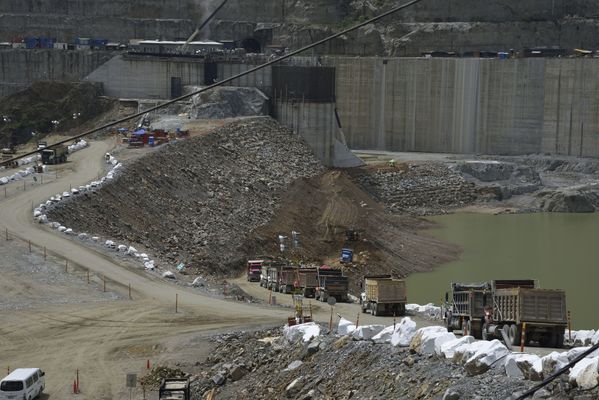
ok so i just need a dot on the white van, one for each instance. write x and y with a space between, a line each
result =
22 384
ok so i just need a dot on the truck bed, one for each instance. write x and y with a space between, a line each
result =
386 290
547 306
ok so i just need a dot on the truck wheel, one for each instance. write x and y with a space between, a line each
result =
468 331
514 334
375 310
363 307
484 334
560 340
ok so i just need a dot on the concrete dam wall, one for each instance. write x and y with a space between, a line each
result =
20 68
485 106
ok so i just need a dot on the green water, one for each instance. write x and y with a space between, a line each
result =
561 251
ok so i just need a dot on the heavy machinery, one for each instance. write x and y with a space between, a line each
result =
287 278
254 270
331 283
515 307
174 389
55 154
465 310
384 295
308 281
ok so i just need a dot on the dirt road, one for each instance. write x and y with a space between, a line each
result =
108 339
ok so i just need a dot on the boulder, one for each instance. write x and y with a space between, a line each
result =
585 374
345 327
294 387
218 379
404 333
553 362
448 348
384 336
525 366
485 357
583 337
442 339
238 372
367 332
294 365
423 341
305 332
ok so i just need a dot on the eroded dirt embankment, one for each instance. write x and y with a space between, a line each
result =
213 201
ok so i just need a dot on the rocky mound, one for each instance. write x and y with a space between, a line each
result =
197 200
263 365
420 188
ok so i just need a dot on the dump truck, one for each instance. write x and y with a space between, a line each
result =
270 273
465 308
287 278
539 314
517 307
331 283
55 154
308 281
384 295
174 389
254 270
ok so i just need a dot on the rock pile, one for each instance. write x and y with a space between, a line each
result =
195 201
278 363
420 189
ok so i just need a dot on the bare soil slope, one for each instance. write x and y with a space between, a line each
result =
215 200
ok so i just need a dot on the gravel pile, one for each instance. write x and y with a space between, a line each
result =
197 200
418 189
263 365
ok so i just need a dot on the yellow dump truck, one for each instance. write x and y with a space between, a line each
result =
384 295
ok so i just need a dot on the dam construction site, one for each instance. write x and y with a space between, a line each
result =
227 199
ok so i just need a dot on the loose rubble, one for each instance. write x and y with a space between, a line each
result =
227 183
272 364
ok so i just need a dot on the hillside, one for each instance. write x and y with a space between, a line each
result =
215 200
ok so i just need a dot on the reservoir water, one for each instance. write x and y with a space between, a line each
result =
561 251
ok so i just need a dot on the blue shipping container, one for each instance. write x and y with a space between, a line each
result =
31 42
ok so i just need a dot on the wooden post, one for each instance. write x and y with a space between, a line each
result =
394 323
104 280
523 337
358 321
176 302
77 381
7 234
569 326
4 192
88 276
